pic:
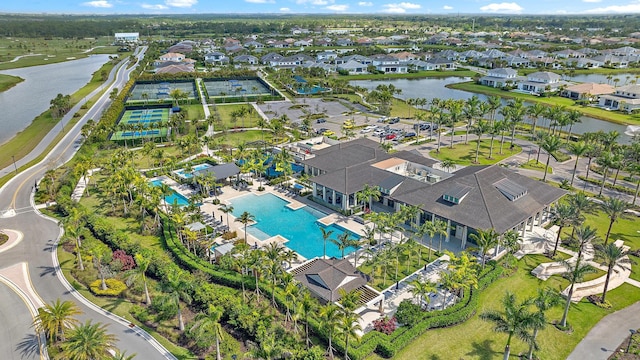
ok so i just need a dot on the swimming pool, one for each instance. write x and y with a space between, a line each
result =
186 174
300 227
174 197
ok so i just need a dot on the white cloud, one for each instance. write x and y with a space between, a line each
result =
154 6
260 1
365 3
285 9
502 8
181 3
615 9
315 2
98 4
400 8
447 7
591 1
337 7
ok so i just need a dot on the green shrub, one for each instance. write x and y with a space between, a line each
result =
114 287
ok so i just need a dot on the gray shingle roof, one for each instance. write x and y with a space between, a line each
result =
221 171
484 206
324 278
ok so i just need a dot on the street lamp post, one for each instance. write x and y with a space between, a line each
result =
14 163
633 332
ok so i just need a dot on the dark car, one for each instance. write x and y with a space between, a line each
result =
422 126
321 120
321 130
409 134
394 120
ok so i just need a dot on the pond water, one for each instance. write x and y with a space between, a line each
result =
435 88
22 103
602 78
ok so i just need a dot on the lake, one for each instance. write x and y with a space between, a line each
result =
430 88
625 78
22 103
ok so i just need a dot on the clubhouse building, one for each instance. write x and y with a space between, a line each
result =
474 197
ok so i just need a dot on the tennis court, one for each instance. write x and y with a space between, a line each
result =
232 88
160 90
129 135
145 116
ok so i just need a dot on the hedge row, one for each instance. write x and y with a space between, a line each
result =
388 345
619 188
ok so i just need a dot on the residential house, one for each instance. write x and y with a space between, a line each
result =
625 98
326 56
540 81
174 57
246 59
441 64
216 57
587 91
499 77
252 44
388 64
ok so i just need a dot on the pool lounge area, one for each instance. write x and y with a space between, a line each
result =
300 227
188 174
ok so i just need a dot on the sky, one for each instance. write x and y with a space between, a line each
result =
323 6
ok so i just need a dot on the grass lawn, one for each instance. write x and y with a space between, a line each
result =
118 306
623 229
8 81
475 338
463 154
536 165
193 111
246 121
401 109
238 137
635 267
612 116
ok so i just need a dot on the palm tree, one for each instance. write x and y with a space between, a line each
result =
545 300
75 232
575 273
606 161
442 229
535 111
88 342
515 320
245 218
226 209
550 144
479 129
139 273
368 193
578 149
422 289
123 356
330 321
177 289
448 165
208 324
308 307
349 327
343 242
615 209
613 258
517 113
55 318
326 235
563 215
471 111
485 239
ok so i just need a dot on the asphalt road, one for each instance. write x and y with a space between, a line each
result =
38 249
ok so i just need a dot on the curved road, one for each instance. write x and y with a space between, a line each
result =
37 251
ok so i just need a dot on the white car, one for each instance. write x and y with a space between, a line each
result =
366 130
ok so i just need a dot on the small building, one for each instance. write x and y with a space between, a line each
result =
540 81
216 57
326 277
126 38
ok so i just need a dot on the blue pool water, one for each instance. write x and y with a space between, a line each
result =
174 197
186 174
300 227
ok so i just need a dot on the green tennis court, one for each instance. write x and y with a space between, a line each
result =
145 116
160 90
143 134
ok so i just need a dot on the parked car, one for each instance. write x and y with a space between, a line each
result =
390 136
394 120
422 126
328 133
382 119
321 130
366 130
409 134
321 120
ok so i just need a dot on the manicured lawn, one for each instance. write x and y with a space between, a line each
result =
635 267
623 229
246 121
401 109
193 111
8 81
238 137
463 154
475 338
378 277
612 116
535 165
